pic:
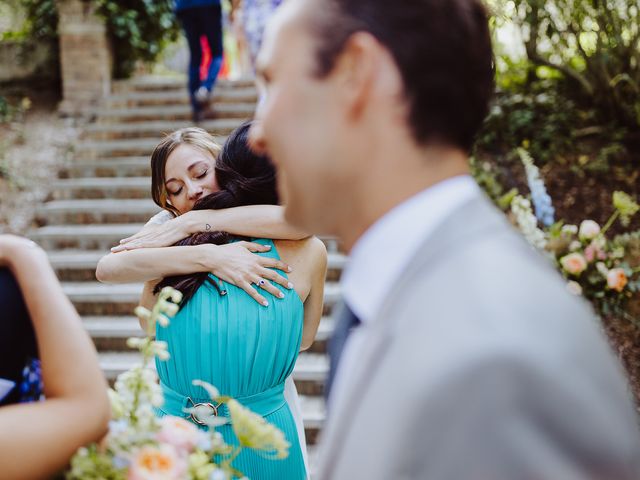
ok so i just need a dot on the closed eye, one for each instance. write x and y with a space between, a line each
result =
177 192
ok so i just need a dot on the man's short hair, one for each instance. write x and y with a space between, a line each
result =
442 49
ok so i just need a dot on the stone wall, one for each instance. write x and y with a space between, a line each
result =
85 57
24 60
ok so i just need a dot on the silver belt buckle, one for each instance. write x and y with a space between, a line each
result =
196 406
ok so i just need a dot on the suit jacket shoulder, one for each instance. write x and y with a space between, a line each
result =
481 324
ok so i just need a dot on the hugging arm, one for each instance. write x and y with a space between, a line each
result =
233 263
313 304
261 221
37 439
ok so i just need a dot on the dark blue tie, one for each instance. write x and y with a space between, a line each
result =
346 322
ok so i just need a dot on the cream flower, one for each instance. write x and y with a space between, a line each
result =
160 349
117 407
157 463
172 293
573 264
616 279
574 246
527 222
200 466
588 230
142 313
574 287
602 269
178 432
253 431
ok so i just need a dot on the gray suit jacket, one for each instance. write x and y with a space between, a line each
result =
481 366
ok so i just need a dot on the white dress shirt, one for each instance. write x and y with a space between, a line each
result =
379 257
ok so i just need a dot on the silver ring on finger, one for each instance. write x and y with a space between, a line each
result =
262 282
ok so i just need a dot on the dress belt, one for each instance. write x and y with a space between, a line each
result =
263 403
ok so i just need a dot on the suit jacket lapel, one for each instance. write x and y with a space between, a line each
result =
470 220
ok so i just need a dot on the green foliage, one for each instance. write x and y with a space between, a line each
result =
594 45
538 116
486 176
139 30
630 242
11 111
40 21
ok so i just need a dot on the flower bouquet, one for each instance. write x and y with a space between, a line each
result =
595 266
142 446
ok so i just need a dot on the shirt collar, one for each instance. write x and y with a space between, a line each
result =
381 254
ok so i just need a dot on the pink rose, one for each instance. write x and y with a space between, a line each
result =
590 253
180 433
157 463
594 251
616 279
573 264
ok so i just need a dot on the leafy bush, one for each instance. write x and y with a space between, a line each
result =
538 116
42 19
12 111
595 46
139 30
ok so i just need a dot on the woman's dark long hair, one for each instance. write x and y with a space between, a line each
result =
244 178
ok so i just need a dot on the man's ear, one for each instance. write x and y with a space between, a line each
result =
356 69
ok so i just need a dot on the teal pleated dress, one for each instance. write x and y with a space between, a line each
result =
247 351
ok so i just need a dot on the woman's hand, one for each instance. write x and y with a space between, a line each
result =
236 264
156 236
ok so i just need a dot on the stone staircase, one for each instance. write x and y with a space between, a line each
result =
103 196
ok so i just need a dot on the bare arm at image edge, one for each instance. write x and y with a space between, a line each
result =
37 439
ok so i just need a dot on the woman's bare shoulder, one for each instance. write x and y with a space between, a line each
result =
311 247
309 253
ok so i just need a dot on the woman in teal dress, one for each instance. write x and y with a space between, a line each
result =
222 336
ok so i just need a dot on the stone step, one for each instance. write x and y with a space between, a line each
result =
117 148
309 373
99 299
102 210
157 128
180 97
132 166
110 333
88 237
101 188
173 112
102 237
80 265
92 149
160 83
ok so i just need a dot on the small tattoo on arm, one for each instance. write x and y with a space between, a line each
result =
207 227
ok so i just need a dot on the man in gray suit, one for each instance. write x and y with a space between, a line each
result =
466 358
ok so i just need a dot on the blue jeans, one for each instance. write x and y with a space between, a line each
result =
197 22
